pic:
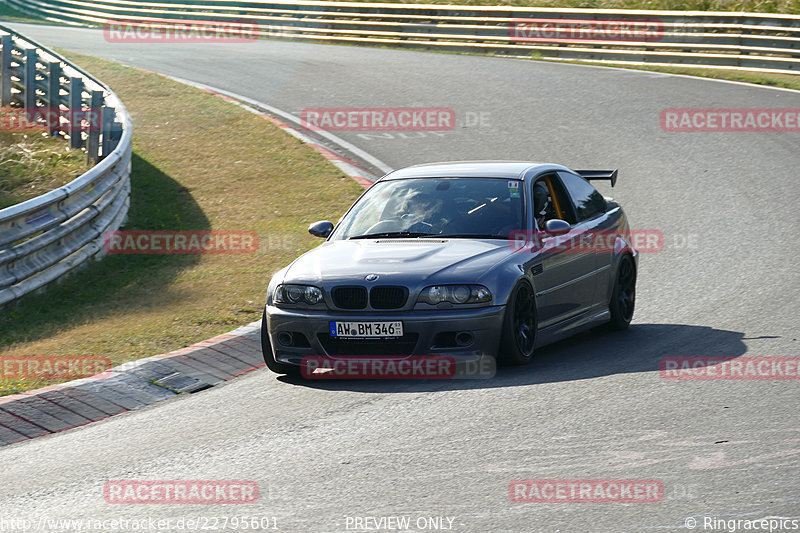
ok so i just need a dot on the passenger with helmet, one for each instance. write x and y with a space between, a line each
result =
542 204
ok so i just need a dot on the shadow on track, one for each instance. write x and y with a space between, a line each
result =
588 355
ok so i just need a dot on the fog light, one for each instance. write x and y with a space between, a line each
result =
464 338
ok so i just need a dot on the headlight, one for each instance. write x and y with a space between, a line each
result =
294 294
456 294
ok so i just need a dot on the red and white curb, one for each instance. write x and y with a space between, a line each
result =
130 386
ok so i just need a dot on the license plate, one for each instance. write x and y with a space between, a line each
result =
366 330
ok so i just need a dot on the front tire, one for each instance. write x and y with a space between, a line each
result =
519 326
269 359
623 297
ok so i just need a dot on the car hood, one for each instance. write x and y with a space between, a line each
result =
398 260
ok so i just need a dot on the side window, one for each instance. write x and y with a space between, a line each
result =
550 201
588 202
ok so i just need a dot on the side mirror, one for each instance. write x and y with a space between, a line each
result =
556 227
323 228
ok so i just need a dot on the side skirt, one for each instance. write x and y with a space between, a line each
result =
567 328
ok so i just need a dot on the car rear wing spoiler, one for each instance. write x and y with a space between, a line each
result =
610 175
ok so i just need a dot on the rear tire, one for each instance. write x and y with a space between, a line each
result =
269 359
519 326
623 297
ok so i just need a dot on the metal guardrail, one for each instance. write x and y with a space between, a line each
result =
702 39
46 237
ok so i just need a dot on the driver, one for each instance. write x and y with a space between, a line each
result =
419 204
419 212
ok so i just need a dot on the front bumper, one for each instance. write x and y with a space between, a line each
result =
425 333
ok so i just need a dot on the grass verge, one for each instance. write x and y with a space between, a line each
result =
32 164
199 163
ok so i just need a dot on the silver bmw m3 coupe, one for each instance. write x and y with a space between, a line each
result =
472 260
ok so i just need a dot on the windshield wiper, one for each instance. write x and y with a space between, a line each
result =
391 234
472 236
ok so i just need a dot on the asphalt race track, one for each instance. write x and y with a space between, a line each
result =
593 407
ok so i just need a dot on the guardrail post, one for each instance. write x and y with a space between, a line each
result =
108 121
29 98
49 236
54 97
94 119
75 105
5 78
116 134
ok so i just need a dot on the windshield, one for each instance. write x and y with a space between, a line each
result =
442 207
